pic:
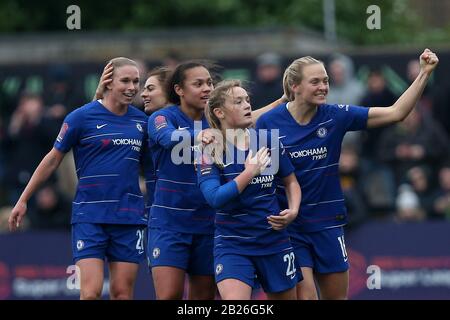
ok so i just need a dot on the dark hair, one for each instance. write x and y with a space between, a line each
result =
161 73
179 75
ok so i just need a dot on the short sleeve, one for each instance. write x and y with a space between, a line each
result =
69 133
353 117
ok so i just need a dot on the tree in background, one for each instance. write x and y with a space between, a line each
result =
401 20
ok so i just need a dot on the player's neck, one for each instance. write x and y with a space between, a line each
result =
302 112
193 113
114 106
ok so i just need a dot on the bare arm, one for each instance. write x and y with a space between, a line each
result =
381 116
257 113
47 166
294 196
293 192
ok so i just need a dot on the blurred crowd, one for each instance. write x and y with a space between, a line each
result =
401 172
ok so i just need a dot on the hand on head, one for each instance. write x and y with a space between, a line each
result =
105 79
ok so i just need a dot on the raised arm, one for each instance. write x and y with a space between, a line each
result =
381 116
47 166
162 131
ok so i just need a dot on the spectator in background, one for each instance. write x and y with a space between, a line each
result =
28 139
441 109
377 95
352 179
60 93
441 202
408 205
268 84
419 178
52 209
171 60
344 86
418 140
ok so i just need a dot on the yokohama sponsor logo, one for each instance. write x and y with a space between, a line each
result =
127 142
308 152
262 179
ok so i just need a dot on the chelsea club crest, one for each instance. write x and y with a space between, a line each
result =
322 132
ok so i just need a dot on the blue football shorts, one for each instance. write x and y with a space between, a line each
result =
323 251
116 242
190 252
275 272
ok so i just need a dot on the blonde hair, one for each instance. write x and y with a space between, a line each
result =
217 99
294 74
122 61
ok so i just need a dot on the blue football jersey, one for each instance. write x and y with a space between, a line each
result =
108 151
150 178
241 224
178 202
314 150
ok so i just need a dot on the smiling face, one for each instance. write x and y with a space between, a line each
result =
125 84
237 111
314 86
153 95
196 87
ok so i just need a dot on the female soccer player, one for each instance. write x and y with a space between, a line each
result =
312 133
181 236
153 94
109 141
250 239
154 98
182 223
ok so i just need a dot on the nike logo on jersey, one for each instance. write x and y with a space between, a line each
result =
281 137
182 128
101 126
226 165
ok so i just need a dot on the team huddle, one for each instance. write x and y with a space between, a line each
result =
236 199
